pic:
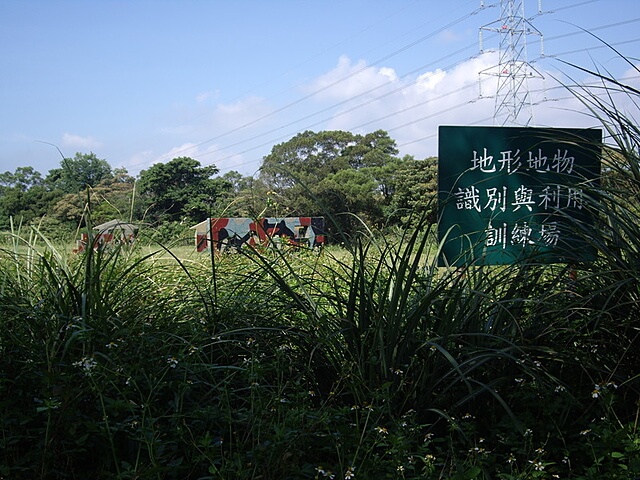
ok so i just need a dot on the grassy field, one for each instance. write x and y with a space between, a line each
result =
366 362
145 362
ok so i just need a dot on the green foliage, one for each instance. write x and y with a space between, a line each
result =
371 363
332 172
412 187
78 173
181 188
326 173
112 198
306 158
58 203
350 191
368 362
173 234
24 196
22 179
26 206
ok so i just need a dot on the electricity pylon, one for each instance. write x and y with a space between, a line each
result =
513 104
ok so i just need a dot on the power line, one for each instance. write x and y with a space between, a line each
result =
546 100
594 29
483 120
351 99
328 86
375 99
337 82
418 120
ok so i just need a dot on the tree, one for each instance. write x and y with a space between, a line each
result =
374 149
412 190
22 179
80 172
240 196
352 191
180 189
331 172
307 157
24 196
112 198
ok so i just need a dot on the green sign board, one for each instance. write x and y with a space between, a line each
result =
506 194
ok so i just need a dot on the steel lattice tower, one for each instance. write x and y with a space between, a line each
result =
513 104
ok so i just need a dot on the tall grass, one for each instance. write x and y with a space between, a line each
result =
549 349
93 348
369 362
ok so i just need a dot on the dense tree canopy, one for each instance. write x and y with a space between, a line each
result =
112 198
180 189
21 179
64 194
328 173
339 172
77 173
412 190
310 156
305 158
24 196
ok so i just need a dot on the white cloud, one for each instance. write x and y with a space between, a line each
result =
416 105
245 111
204 96
355 97
389 73
224 159
185 150
448 36
139 161
188 149
80 142
429 80
413 109
347 80
214 134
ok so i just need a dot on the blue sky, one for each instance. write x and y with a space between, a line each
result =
139 82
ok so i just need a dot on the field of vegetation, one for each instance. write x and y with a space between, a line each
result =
362 361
